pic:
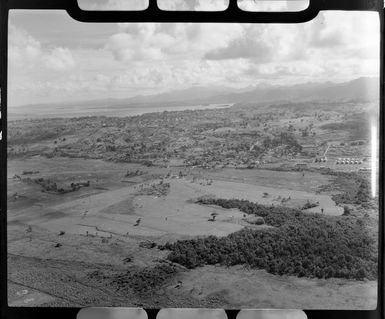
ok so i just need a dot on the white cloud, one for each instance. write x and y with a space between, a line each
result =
22 48
59 59
27 52
169 41
242 48
125 48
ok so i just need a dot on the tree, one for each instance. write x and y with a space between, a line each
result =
361 274
347 211
213 215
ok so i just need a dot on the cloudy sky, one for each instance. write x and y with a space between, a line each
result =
53 58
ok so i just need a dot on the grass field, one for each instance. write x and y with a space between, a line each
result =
97 229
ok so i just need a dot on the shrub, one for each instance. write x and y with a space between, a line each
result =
347 211
309 205
255 220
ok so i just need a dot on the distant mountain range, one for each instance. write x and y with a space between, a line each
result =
365 89
361 89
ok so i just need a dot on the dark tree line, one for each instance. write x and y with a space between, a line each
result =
301 244
362 196
284 138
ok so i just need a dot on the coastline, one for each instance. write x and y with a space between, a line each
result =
20 113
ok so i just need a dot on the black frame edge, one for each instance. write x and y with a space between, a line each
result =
155 15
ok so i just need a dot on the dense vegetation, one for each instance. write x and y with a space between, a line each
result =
146 279
283 139
134 173
155 189
353 188
300 244
357 126
360 196
50 186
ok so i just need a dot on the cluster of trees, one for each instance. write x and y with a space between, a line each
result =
273 215
283 139
310 245
145 279
156 189
357 143
307 131
309 205
360 196
134 173
48 185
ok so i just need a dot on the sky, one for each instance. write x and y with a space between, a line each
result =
53 58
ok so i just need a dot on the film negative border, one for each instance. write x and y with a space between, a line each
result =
154 14
231 14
